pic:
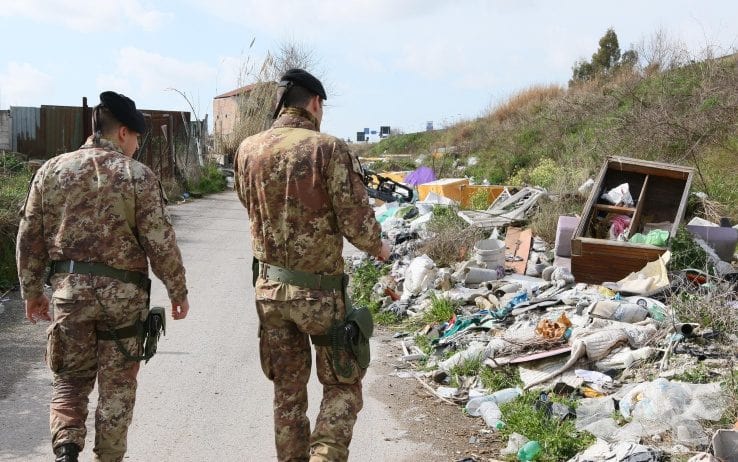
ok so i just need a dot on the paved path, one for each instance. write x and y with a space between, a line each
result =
203 397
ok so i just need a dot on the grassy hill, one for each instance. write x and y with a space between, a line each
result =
556 138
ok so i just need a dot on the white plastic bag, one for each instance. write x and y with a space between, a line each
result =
619 195
419 276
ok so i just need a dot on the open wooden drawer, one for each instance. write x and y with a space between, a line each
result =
660 193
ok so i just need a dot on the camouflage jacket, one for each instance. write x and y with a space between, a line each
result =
303 191
97 205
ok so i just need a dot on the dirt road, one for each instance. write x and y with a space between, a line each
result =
203 397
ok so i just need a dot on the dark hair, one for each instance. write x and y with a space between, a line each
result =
103 121
298 96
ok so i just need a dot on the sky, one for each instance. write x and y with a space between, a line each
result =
401 63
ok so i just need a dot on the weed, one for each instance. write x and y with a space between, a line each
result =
385 318
709 308
440 310
559 440
685 253
363 279
730 385
424 343
498 379
468 368
698 374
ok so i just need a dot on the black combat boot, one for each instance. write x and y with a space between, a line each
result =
66 452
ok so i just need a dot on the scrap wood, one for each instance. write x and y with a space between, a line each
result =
433 392
517 249
407 356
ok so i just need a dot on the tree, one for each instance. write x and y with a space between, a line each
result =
608 54
607 59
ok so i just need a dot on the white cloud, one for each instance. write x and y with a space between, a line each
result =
302 17
86 15
21 84
146 75
433 59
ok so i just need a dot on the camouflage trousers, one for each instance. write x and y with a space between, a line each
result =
284 347
77 358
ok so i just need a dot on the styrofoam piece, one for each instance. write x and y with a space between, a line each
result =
564 232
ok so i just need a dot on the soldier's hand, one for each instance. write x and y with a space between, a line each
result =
37 308
180 309
384 254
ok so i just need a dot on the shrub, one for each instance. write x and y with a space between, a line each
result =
14 178
211 179
452 239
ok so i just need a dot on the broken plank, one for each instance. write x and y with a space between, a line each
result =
517 249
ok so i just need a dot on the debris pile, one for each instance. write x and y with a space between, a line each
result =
642 361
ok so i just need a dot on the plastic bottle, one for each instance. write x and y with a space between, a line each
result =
491 414
529 451
499 397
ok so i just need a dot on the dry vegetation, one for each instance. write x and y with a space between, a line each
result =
674 108
256 108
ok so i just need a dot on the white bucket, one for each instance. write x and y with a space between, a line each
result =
490 252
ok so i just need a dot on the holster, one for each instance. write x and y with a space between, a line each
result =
352 334
148 332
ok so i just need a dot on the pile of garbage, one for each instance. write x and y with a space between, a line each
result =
619 346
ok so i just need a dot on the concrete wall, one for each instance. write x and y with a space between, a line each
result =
225 112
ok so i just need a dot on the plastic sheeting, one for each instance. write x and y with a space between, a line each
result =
420 176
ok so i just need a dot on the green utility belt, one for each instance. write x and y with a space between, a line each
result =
351 334
302 278
100 269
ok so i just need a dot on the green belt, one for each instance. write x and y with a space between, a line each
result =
134 330
100 269
302 278
307 280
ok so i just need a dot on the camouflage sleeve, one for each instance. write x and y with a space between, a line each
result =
238 184
31 254
156 235
350 202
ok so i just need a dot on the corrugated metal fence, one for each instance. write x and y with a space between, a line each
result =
42 133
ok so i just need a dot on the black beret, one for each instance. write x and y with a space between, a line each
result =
303 79
124 109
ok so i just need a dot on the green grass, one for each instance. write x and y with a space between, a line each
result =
410 143
440 310
559 439
698 374
424 343
501 378
363 279
468 368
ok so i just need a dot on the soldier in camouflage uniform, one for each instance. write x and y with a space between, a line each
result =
99 218
303 191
